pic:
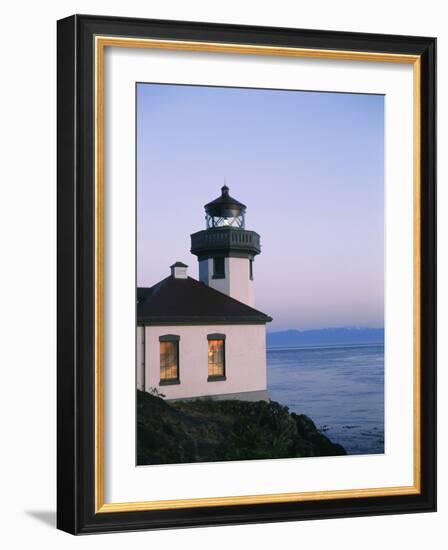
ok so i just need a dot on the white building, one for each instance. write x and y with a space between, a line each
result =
204 338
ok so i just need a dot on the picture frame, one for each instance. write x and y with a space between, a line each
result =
82 201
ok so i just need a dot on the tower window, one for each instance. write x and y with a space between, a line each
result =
216 357
251 269
218 268
169 359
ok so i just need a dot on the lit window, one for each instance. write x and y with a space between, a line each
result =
216 356
169 359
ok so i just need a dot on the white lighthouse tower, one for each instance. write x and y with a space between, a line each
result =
226 250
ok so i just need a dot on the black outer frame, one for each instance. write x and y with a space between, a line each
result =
75 310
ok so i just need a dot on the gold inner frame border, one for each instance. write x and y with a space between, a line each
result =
100 43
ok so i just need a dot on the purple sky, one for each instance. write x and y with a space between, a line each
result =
309 167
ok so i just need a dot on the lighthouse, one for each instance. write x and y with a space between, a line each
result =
226 249
204 338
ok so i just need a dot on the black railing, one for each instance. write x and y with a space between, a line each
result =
224 239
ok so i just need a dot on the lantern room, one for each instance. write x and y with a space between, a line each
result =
225 211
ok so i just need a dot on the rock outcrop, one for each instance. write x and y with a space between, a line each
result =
208 431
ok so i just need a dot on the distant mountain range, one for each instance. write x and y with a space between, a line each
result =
325 337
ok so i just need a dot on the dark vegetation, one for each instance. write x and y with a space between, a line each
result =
207 430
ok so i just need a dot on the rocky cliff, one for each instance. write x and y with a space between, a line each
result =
208 431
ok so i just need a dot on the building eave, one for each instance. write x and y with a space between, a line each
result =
202 320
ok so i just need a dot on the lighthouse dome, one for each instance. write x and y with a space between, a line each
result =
225 211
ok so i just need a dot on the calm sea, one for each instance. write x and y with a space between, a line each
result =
341 388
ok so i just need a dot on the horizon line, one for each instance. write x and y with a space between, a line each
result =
345 327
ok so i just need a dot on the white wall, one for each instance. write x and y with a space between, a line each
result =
140 359
241 285
245 360
236 283
27 173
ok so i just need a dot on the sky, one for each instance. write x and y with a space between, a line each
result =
310 168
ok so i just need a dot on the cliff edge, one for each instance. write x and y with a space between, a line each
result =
208 431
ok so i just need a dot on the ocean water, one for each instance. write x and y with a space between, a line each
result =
341 388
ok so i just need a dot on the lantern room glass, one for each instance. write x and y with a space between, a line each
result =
236 222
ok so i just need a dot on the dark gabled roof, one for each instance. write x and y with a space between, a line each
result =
142 292
178 264
187 301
